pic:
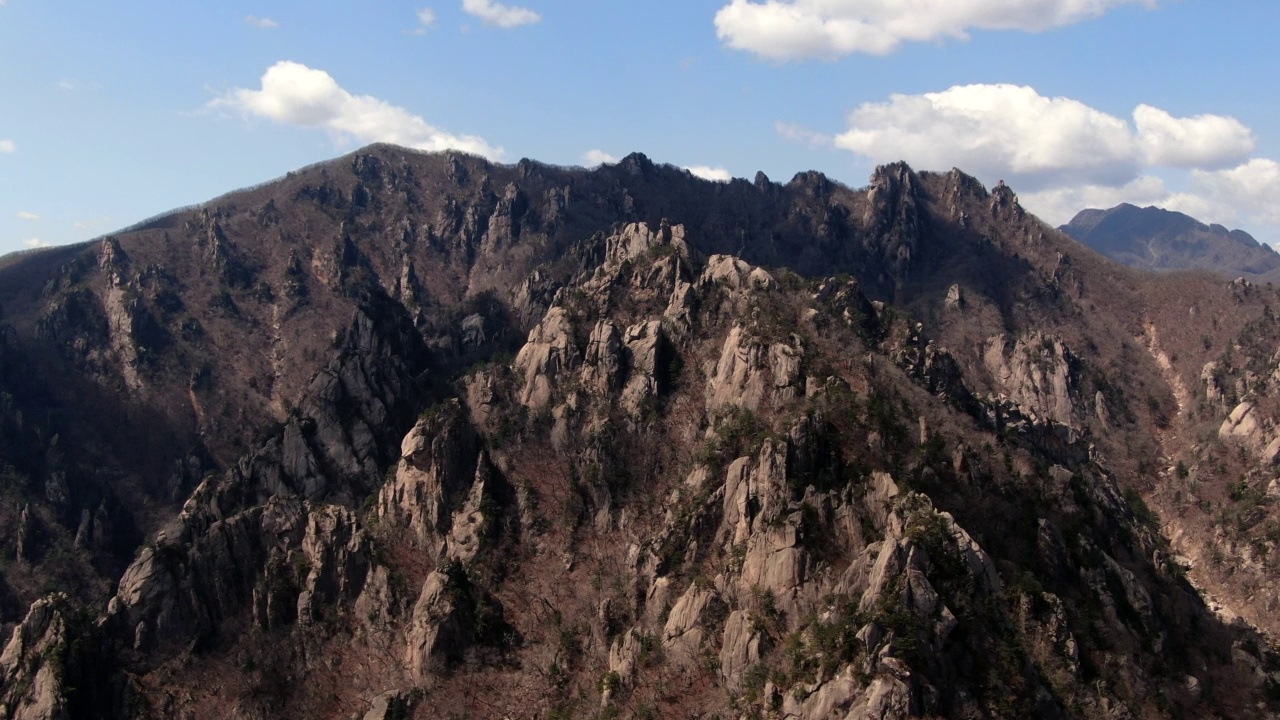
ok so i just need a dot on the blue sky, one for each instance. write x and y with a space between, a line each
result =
113 112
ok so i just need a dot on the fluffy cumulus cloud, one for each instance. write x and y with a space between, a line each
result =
998 130
1063 155
35 243
499 15
794 29
1251 189
715 174
598 157
295 94
262 23
1202 141
7 147
1039 142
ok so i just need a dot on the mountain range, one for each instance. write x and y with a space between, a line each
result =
1160 240
420 435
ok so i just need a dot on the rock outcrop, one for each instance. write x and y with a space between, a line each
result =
1035 372
438 464
751 372
33 665
550 351
486 442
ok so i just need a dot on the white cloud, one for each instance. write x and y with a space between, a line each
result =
1237 198
997 131
1062 155
1014 132
1203 141
1057 206
1201 208
715 174
295 94
35 243
29 216
803 135
793 29
7 147
1251 189
499 15
598 157
1240 197
262 23
426 20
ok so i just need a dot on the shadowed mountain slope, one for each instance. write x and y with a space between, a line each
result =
1160 240
406 434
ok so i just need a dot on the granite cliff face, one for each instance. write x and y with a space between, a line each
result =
403 435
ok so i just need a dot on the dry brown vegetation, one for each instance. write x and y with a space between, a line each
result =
204 336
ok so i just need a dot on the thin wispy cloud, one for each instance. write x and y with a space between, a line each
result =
34 242
28 216
426 18
499 15
294 94
7 147
262 23
799 29
92 224
803 135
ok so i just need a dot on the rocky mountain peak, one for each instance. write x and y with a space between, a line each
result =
636 163
536 441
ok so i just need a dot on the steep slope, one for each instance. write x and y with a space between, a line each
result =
531 441
1154 239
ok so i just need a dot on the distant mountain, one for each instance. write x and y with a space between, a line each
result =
1161 240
